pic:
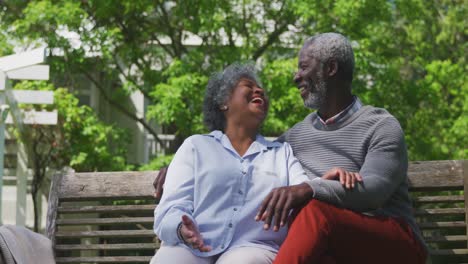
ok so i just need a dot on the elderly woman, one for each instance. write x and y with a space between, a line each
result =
217 181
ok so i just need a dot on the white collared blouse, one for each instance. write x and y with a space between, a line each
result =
221 191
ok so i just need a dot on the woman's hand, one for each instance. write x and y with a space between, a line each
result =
347 179
191 235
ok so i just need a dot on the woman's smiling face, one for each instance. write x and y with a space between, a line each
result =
247 100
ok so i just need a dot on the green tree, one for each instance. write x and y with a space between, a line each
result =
410 56
133 43
79 140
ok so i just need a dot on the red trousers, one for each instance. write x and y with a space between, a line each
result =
322 233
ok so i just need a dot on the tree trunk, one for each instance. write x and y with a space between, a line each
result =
34 192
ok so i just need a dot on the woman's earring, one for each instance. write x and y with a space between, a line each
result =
224 108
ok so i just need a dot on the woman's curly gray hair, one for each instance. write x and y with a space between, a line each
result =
218 90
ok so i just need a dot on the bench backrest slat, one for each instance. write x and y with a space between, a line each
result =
107 185
435 175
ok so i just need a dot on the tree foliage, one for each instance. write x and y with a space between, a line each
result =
410 56
79 140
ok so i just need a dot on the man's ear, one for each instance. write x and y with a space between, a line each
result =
332 68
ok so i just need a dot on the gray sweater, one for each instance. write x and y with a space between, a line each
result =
370 142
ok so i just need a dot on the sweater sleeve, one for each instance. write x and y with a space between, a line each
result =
383 170
177 199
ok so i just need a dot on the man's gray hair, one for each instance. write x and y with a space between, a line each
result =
219 89
328 46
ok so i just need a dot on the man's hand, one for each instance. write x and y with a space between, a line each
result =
159 182
191 235
279 203
347 179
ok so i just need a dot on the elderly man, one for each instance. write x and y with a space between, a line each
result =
370 223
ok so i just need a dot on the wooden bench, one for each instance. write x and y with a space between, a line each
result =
440 206
102 217
107 217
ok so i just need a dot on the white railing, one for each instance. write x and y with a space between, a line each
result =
153 148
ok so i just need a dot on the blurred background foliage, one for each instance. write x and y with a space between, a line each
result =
79 139
410 59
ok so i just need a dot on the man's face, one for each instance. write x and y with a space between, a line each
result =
310 80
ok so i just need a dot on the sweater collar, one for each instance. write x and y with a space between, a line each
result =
340 118
352 108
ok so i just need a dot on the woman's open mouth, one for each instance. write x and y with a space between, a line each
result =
258 100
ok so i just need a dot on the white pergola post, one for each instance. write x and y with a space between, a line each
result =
3 84
21 183
22 67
